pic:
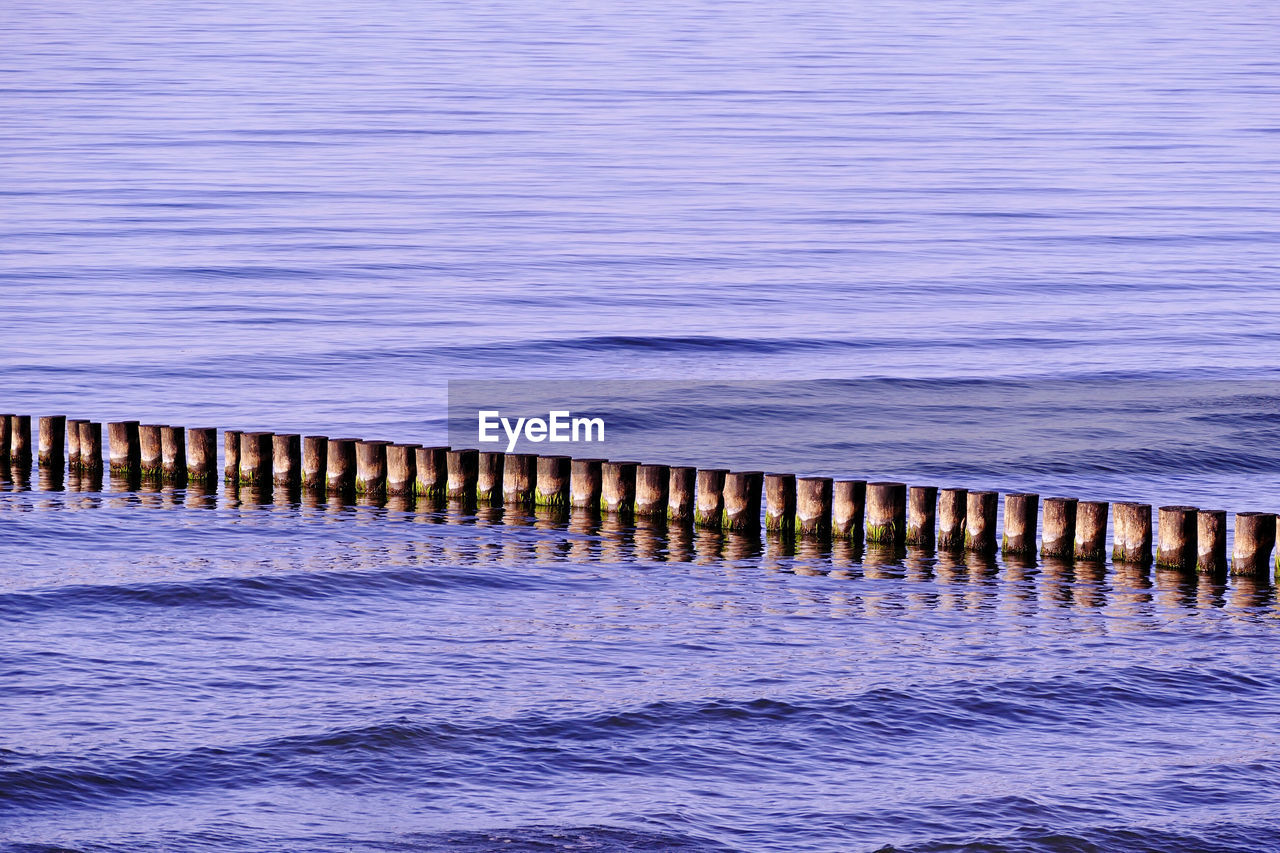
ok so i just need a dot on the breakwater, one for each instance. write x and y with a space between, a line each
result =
874 515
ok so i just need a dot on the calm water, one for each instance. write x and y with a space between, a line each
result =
312 217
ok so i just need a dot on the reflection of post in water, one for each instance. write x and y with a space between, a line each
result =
846 555
201 495
742 545
125 480
584 526
982 570
255 494
615 538
1055 580
1089 589
1017 582
517 548
813 555
650 537
489 515
460 510
1131 588
1176 586
400 503
51 479
555 519
679 543
1248 592
430 510
883 561
1211 589
708 544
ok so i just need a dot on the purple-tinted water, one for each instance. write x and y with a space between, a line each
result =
311 217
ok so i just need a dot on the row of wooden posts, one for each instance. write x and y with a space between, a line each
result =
886 513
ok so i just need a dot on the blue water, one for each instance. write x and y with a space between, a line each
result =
312 217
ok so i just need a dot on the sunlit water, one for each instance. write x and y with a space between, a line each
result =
311 217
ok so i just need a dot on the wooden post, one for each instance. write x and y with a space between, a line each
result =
202 454
402 468
552 488
519 478
1058 538
1211 541
90 447
462 467
489 477
813 506
433 472
742 500
6 436
20 440
980 522
173 453
73 444
922 510
653 484
1254 539
371 468
709 505
231 455
680 494
340 466
315 455
952 516
286 459
886 513
1020 512
780 502
53 438
1091 530
1132 534
585 483
122 440
255 458
150 451
618 486
848 508
1177 545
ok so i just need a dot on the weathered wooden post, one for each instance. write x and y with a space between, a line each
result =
202 454
780 502
980 522
618 486
173 453
1132 534
150 451
433 472
922 512
1254 539
952 516
585 483
1177 544
231 455
340 465
462 466
813 506
1058 537
53 430
742 500
552 487
519 478
489 466
315 453
20 440
886 519
1020 511
371 468
1211 541
122 441
848 509
402 469
286 459
1091 530
6 436
709 506
73 443
90 447
680 494
255 458
653 484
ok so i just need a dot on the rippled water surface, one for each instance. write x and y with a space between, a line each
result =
311 217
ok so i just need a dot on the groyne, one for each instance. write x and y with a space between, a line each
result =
875 515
